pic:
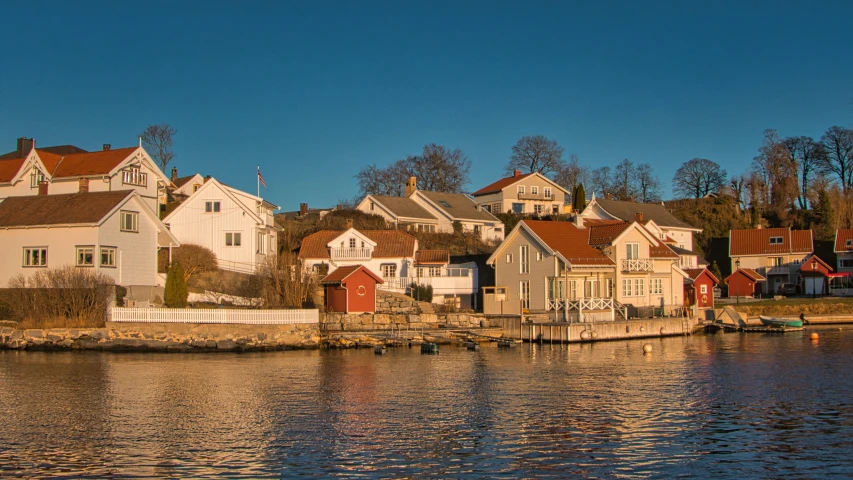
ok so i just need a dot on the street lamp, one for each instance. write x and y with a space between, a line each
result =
737 289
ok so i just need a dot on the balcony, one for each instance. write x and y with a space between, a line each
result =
536 196
638 265
453 279
779 270
350 253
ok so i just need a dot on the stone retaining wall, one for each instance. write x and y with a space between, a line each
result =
336 322
395 303
169 337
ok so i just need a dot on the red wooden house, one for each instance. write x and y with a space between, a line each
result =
745 282
814 272
699 287
351 289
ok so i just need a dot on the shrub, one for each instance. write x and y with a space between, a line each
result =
176 287
421 293
194 259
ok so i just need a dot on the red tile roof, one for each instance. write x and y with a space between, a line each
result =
569 240
341 274
500 185
90 163
604 233
841 239
749 273
433 257
662 250
9 168
389 243
694 273
62 209
757 241
806 265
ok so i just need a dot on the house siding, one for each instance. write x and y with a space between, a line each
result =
509 274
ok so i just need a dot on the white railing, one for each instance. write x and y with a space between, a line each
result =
459 280
350 253
215 315
588 304
638 265
779 270
239 267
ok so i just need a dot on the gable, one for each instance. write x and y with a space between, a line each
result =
352 233
455 206
389 244
211 190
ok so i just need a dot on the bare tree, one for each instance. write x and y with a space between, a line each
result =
808 157
195 259
284 283
623 186
838 161
572 174
648 185
438 169
158 141
535 154
698 177
601 180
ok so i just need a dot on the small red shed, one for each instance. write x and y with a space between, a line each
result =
351 289
814 272
744 283
699 287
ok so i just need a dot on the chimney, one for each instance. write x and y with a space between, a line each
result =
303 209
349 223
25 145
607 196
174 173
638 217
517 173
106 147
411 186
579 221
43 187
84 186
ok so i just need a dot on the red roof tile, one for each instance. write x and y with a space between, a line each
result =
750 273
842 237
694 273
433 257
389 243
757 241
341 273
500 185
9 168
89 163
605 233
569 240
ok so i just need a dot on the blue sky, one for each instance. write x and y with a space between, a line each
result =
314 91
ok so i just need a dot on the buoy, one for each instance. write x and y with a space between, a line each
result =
585 335
379 350
647 348
814 336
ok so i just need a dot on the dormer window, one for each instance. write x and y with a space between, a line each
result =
134 176
849 243
444 203
36 177
775 240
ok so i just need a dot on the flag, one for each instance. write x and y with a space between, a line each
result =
261 178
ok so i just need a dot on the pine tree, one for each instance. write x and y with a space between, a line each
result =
715 270
824 228
579 198
176 287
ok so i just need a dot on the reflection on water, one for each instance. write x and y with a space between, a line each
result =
728 405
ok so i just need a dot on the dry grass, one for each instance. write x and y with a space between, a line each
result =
796 306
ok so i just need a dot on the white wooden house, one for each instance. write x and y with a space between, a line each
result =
114 233
237 226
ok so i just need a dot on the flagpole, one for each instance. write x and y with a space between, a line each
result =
259 181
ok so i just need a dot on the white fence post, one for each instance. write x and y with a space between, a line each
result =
217 315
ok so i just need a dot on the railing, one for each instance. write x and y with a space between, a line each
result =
350 253
779 270
239 267
581 305
535 196
638 265
217 315
452 280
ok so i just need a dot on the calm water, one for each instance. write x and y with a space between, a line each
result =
729 405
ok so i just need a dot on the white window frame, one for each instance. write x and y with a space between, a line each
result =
129 221
261 237
212 206
539 255
524 293
632 251
82 251
547 192
389 270
534 189
233 239
524 259
521 189
848 243
134 176
703 289
538 209
352 243
776 240
34 257
36 177
111 254
633 287
657 286
508 258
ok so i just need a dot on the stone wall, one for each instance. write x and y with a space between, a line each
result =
390 302
168 337
336 322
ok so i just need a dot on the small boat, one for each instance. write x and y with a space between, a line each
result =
780 322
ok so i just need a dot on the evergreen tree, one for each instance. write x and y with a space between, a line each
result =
824 227
579 198
176 287
715 271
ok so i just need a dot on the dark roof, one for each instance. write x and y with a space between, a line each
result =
459 206
313 214
651 211
181 181
58 150
500 184
63 209
404 207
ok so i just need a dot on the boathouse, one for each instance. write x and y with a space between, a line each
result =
699 287
745 282
814 272
351 289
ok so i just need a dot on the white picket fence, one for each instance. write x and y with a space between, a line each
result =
215 315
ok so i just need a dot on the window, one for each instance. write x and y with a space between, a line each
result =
639 287
633 287
538 209
555 209
196 187
351 243
521 189
85 256
134 176
524 294
233 239
476 229
608 288
36 177
776 261
703 289
534 190
845 263
538 256
389 270
508 258
657 286
211 207
775 240
524 257
432 271
849 243
261 238
35 257
517 208
632 251
129 221
547 191
444 203
108 256
372 206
